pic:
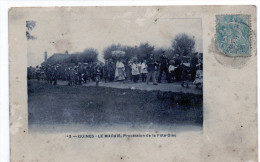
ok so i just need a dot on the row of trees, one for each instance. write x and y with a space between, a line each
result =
182 45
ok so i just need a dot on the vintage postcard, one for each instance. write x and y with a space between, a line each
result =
150 83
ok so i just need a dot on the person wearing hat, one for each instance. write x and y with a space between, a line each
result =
164 64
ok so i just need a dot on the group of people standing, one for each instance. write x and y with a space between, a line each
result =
133 70
151 69
145 70
74 74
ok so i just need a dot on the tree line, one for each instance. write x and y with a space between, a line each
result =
182 45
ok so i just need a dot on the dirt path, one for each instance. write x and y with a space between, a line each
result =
173 87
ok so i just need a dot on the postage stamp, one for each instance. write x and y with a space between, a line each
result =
233 34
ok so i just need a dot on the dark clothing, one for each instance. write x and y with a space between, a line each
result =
72 77
166 73
85 74
128 70
185 73
178 70
80 74
178 73
48 74
92 73
177 61
151 64
164 62
193 68
193 73
172 75
111 71
98 71
152 67
193 62
144 75
97 74
135 78
105 73
54 76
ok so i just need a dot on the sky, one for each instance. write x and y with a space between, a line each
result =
75 29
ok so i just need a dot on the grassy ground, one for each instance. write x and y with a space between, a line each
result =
93 105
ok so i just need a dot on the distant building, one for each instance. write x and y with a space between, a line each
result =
57 58
61 58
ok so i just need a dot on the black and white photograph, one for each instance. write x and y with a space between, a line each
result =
133 83
114 72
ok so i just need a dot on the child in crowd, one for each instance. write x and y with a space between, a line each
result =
171 70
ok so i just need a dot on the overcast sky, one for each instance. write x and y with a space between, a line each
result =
58 30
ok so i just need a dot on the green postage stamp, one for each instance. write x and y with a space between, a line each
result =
233 34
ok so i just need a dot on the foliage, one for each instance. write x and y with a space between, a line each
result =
142 51
167 51
183 45
30 25
131 52
89 55
145 51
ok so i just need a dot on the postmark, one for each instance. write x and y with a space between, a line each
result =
233 34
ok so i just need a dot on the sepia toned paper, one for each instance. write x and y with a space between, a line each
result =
228 131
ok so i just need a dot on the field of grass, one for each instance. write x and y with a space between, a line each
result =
48 104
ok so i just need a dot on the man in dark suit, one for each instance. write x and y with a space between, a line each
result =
164 64
178 70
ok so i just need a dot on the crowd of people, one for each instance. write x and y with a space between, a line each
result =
135 70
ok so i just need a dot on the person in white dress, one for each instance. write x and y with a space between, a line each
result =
144 71
120 71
